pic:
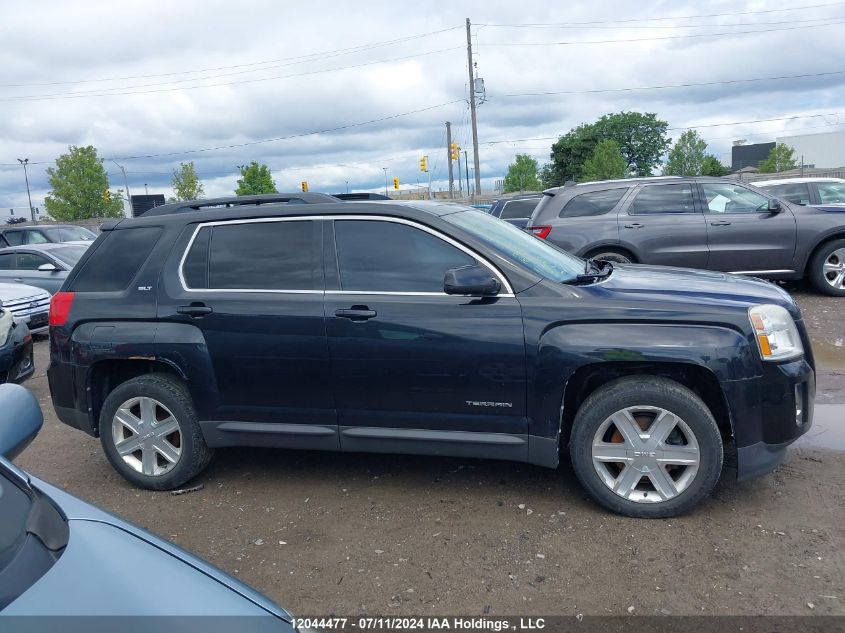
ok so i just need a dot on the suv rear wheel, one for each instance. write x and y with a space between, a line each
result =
827 268
150 433
646 447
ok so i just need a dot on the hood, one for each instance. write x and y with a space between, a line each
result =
14 292
690 286
95 535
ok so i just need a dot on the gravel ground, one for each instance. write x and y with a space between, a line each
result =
347 534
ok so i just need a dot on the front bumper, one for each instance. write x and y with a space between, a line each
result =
16 360
770 412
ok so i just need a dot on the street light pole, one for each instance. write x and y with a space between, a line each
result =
126 183
385 181
24 161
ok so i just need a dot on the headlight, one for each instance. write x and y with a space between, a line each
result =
6 322
777 336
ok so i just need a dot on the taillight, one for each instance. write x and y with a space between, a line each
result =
541 231
60 307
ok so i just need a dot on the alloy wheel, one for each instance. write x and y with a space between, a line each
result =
833 269
645 454
147 436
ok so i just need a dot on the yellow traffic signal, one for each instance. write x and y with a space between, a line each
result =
396 183
304 185
106 195
454 151
423 163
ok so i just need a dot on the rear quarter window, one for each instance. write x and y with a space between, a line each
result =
592 203
116 260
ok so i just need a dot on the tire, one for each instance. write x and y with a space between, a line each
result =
610 255
158 417
667 489
828 266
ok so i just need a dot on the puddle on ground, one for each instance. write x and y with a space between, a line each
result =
828 430
829 354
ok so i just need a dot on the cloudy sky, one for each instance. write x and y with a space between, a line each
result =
333 92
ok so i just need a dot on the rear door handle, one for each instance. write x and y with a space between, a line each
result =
19 280
356 313
195 310
634 225
720 223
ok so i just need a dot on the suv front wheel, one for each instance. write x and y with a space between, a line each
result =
827 268
646 447
150 433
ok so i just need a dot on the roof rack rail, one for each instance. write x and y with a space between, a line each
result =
239 201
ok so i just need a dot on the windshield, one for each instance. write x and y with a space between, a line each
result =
69 254
70 234
531 252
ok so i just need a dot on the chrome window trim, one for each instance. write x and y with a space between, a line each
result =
506 287
759 272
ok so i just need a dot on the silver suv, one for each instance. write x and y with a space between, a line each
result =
710 223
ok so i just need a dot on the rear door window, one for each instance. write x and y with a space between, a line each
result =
593 203
658 199
831 192
280 255
14 238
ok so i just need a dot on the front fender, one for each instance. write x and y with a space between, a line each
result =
563 349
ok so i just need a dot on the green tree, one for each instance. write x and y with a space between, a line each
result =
79 187
255 179
522 175
711 166
641 138
781 158
686 158
186 184
606 162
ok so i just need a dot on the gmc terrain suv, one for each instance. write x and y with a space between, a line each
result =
699 222
421 328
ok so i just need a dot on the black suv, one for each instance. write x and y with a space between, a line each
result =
710 223
421 328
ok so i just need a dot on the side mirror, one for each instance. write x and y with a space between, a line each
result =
472 280
774 205
20 419
50 268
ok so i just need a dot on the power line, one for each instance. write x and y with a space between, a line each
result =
127 90
659 26
667 86
307 58
676 17
666 37
269 140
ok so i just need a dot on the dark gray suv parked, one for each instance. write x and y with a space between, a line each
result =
698 223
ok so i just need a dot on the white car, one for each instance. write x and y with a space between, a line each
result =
818 192
28 304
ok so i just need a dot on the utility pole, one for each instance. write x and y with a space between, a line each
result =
126 183
24 161
472 110
430 196
449 159
466 164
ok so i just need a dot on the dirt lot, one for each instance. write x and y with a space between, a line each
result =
348 534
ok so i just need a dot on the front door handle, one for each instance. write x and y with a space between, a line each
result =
195 310
356 313
720 223
19 279
634 225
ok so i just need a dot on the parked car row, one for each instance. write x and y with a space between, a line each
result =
420 328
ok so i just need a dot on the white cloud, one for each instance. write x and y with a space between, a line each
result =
149 44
